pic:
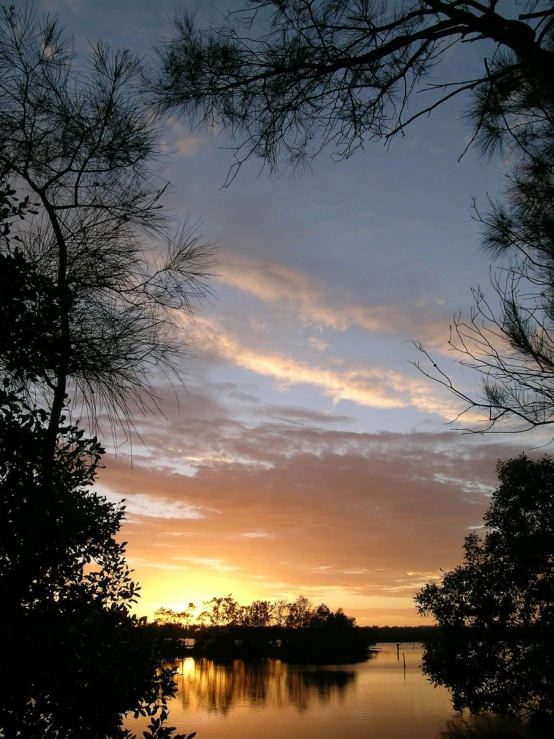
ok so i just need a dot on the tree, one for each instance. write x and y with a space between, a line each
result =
496 672
512 347
339 72
65 587
495 612
66 591
507 579
222 611
79 141
176 618
87 305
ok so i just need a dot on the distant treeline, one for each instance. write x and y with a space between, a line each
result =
294 632
298 614
226 611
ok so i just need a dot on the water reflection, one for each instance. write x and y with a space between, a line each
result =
216 688
496 673
386 697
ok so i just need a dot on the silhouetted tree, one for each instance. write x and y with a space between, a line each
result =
289 77
78 140
507 579
86 306
299 613
221 611
295 631
258 614
11 207
504 674
169 616
494 646
512 347
72 659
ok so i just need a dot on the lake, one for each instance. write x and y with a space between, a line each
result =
386 697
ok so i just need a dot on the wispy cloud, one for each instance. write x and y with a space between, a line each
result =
364 386
214 564
316 305
374 387
149 505
189 145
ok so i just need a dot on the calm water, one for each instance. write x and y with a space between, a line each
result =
273 700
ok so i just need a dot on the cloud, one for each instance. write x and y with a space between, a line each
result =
302 416
374 387
186 142
317 344
149 505
214 564
189 145
350 518
364 386
315 305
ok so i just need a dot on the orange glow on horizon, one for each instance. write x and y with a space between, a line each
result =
165 589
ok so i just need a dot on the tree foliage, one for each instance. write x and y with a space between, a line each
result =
72 659
496 611
507 579
499 673
65 587
76 138
288 78
512 348
293 631
226 611
87 304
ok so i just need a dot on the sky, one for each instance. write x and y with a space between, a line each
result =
305 454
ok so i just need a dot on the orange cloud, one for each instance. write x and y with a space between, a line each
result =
357 520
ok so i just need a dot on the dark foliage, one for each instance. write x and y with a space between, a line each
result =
293 632
494 646
30 311
289 78
72 659
76 138
512 348
507 673
507 579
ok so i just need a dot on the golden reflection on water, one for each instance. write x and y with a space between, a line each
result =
386 697
271 684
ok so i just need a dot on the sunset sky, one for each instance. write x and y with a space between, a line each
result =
307 456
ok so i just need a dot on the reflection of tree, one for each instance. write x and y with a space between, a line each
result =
328 682
506 676
217 688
